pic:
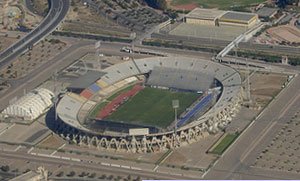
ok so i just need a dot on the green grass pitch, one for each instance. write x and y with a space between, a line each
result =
153 107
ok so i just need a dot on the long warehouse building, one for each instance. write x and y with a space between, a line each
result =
218 18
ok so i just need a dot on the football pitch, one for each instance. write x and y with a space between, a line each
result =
153 107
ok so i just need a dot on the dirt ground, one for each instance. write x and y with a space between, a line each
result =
29 61
264 86
52 141
81 19
5 42
14 14
285 33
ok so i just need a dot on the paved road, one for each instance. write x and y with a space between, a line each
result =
236 162
59 62
87 166
57 12
222 43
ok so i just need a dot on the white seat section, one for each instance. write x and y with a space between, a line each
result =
68 109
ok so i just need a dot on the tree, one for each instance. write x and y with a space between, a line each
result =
157 4
5 168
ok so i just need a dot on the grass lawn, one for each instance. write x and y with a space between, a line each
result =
220 4
152 107
224 143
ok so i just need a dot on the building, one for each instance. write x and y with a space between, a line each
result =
40 175
203 16
217 17
30 106
267 13
234 18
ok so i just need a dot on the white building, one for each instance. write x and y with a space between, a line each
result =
30 106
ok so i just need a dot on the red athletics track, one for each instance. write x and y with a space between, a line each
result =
115 103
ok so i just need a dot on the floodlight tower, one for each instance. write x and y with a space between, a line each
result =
175 105
54 76
97 54
248 98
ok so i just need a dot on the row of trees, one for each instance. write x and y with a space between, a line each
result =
157 4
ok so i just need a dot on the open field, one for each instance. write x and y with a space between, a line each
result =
264 86
32 59
153 107
220 4
224 143
207 31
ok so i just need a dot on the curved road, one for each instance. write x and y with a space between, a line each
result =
57 12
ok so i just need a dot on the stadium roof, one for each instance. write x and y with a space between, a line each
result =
237 16
266 12
208 14
30 106
86 80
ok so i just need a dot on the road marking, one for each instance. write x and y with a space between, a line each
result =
135 168
17 148
30 150
267 129
114 165
106 164
7 128
124 166
57 149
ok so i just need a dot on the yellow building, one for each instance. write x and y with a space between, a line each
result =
203 16
238 19
217 18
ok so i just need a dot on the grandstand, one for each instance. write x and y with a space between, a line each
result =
180 79
203 116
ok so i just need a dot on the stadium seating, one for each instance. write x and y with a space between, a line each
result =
121 74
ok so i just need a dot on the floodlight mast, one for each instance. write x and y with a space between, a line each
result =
175 105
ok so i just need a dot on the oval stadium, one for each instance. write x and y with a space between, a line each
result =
150 104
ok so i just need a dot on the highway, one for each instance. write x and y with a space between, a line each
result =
57 12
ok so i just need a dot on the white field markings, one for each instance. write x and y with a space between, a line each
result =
7 128
58 149
30 150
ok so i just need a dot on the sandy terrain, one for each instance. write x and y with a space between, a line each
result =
285 33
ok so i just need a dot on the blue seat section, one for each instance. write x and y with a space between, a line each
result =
200 105
94 88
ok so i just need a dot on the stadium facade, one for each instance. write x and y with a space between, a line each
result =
73 109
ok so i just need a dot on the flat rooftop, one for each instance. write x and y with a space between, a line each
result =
266 12
239 16
201 13
86 80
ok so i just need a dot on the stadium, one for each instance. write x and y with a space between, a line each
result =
128 106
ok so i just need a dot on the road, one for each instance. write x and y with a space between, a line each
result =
57 63
87 166
222 43
57 12
236 162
